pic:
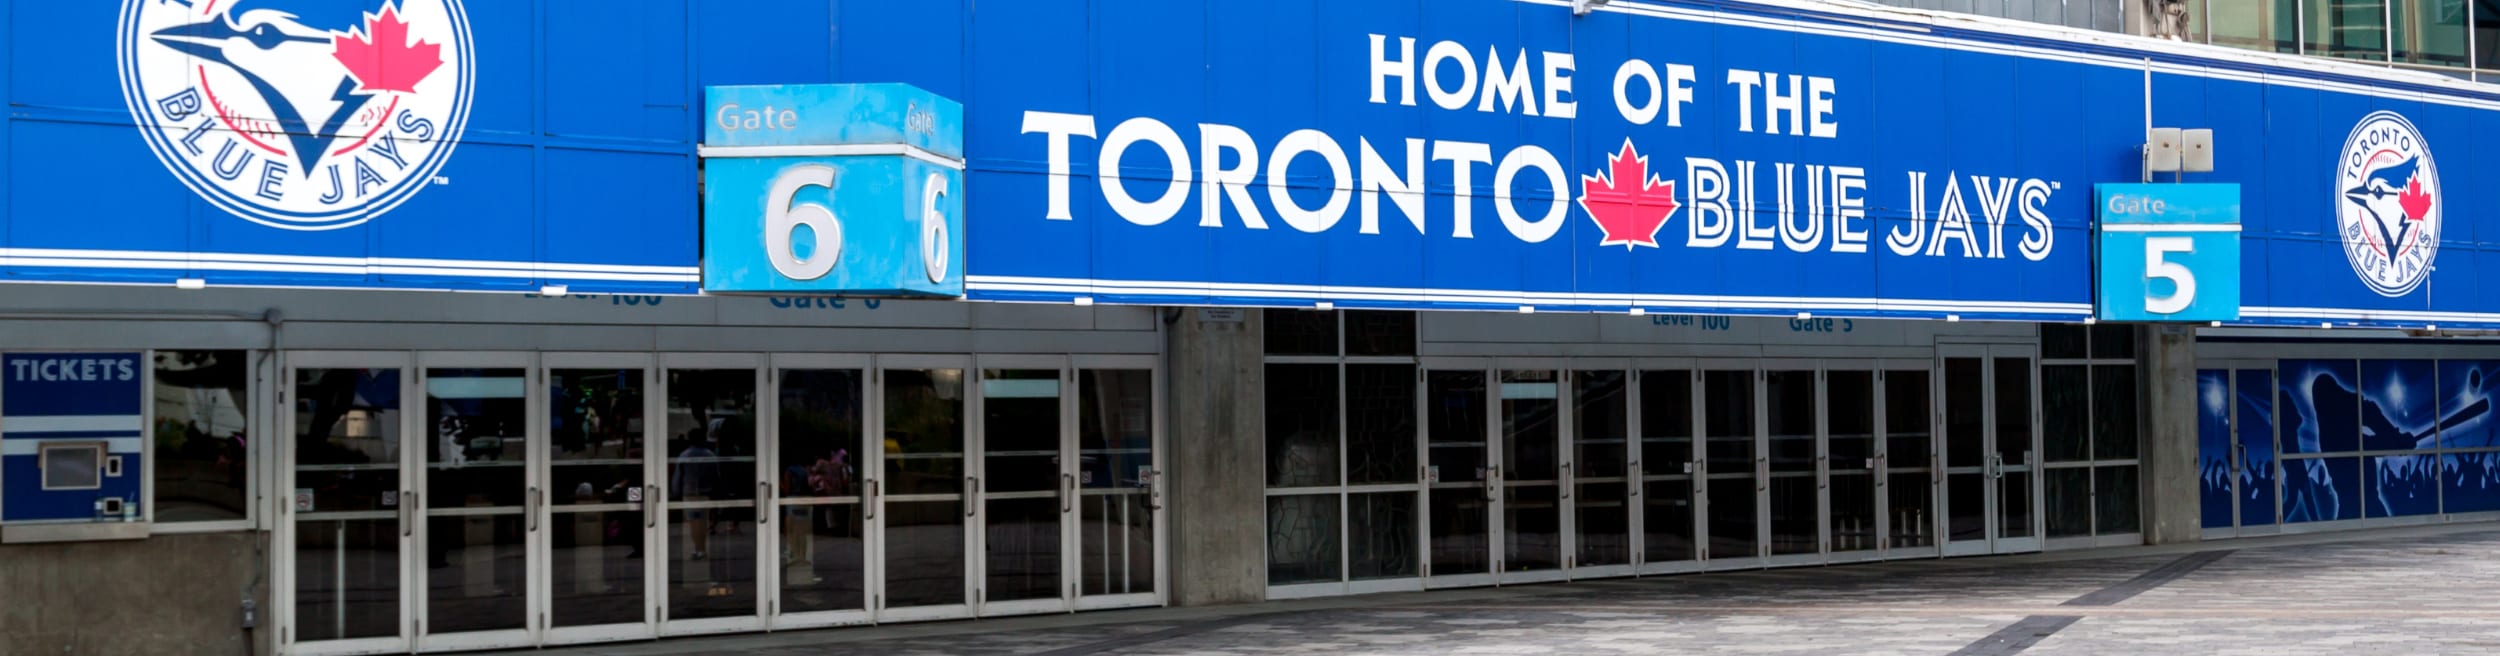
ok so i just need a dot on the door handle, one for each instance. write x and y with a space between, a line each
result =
1492 482
973 503
871 502
650 499
529 509
1068 505
406 499
1154 492
763 502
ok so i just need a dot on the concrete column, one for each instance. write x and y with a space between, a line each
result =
2170 494
1216 446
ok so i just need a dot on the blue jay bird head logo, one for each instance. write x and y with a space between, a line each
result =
299 114
2387 204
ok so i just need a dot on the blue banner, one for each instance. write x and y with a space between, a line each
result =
64 419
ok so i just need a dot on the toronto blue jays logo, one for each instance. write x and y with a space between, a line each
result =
2387 204
299 114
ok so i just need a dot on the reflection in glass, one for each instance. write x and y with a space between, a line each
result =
1461 504
1302 542
2114 507
201 461
2067 412
1796 503
1728 429
1965 415
711 490
2014 505
476 477
1380 423
1381 535
2114 418
1666 465
595 491
1026 494
1300 332
923 497
1850 395
347 532
823 535
2069 500
1909 458
1966 501
595 567
1379 332
1115 455
1301 425
1600 492
1531 503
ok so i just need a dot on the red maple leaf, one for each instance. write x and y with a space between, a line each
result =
2417 204
1627 202
387 60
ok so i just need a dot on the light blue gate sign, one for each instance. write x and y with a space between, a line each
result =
2169 252
846 188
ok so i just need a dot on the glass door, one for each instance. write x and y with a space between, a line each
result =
712 521
2235 449
1850 480
479 498
1730 455
1665 464
1460 478
922 495
1599 491
1118 522
1991 501
819 451
343 583
1908 468
599 510
1530 476
1027 491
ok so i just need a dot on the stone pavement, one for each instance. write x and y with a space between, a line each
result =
2422 590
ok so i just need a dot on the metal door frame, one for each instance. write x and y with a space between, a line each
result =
1564 525
2238 454
283 590
764 402
1993 468
977 464
1569 397
769 447
1762 459
1688 470
1702 510
969 551
1492 458
1931 461
534 462
652 584
1078 365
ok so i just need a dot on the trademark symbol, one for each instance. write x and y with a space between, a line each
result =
440 180
2053 186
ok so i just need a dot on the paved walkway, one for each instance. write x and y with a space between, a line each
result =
2424 590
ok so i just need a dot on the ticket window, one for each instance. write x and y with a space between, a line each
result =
78 466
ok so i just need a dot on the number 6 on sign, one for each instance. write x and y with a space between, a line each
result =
934 249
783 216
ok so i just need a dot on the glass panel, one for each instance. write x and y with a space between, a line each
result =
2321 408
2431 32
1024 493
2254 434
823 546
1600 495
712 482
923 496
2113 341
2354 29
2399 405
2255 24
2014 505
2066 412
1666 421
1966 499
1115 461
1302 535
1531 528
1965 415
1300 332
476 478
2114 500
2114 425
1910 490
595 567
1301 425
2401 486
1795 494
1531 505
202 463
1382 535
2321 489
2216 459
597 451
2486 35
2064 341
1380 423
1850 398
2070 501
2013 416
347 455
1728 429
1454 407
1667 520
1374 332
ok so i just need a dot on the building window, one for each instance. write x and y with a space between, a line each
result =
2090 430
202 435
2430 32
1342 467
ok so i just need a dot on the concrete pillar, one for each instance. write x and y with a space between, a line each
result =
2170 493
1216 443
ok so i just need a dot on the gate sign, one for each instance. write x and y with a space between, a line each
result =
2169 252
848 189
71 436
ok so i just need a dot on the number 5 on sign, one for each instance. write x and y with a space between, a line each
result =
2168 252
